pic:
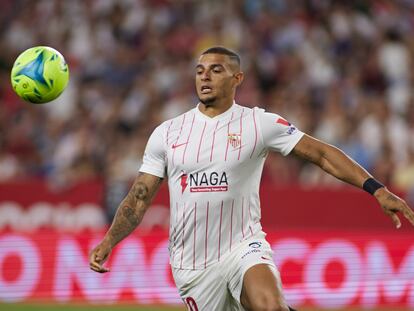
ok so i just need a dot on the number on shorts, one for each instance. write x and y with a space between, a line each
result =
191 304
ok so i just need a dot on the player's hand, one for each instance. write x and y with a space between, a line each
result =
392 204
98 256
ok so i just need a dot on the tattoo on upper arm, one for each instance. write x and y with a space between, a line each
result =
140 191
144 191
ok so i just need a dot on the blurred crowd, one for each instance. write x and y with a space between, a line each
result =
339 70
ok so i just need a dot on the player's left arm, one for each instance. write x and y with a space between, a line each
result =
335 162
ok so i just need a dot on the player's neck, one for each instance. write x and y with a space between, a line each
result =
214 109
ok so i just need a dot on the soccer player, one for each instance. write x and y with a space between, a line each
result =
213 156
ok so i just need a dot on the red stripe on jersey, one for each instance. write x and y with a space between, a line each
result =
250 217
178 137
212 144
201 139
188 138
175 227
205 246
242 217
231 224
195 228
255 134
221 216
168 131
241 131
228 132
182 252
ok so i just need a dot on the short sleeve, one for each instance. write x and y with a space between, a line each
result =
154 155
278 134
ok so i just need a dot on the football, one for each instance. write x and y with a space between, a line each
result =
39 74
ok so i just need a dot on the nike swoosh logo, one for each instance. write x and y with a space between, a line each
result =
179 145
265 258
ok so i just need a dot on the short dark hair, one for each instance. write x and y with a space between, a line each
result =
224 51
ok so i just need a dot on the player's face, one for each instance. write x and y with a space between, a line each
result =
216 78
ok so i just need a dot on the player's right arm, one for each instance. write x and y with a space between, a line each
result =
132 209
128 216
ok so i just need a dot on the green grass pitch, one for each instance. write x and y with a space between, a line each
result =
130 307
75 307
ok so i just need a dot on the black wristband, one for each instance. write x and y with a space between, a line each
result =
371 185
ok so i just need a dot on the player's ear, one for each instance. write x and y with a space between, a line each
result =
239 77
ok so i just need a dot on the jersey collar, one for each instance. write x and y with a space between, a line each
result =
226 113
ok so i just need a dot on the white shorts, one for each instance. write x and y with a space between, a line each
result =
219 286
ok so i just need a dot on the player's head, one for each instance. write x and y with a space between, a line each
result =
217 75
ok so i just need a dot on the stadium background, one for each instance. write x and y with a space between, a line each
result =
339 70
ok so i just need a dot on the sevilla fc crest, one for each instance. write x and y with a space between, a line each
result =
234 139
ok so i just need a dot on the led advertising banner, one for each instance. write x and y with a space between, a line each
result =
322 269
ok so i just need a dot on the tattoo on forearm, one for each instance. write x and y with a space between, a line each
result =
129 213
126 220
132 210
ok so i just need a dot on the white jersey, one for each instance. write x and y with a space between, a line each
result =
214 166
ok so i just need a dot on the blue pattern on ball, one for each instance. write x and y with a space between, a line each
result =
34 69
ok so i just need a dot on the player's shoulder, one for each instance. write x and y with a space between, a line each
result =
270 119
247 109
261 112
175 120
178 117
261 115
174 123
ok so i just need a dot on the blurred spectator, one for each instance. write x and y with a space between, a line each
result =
403 177
339 70
394 59
9 166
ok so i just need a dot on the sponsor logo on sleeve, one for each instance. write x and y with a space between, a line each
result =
283 122
291 129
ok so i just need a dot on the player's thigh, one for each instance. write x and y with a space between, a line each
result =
256 278
262 287
202 289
